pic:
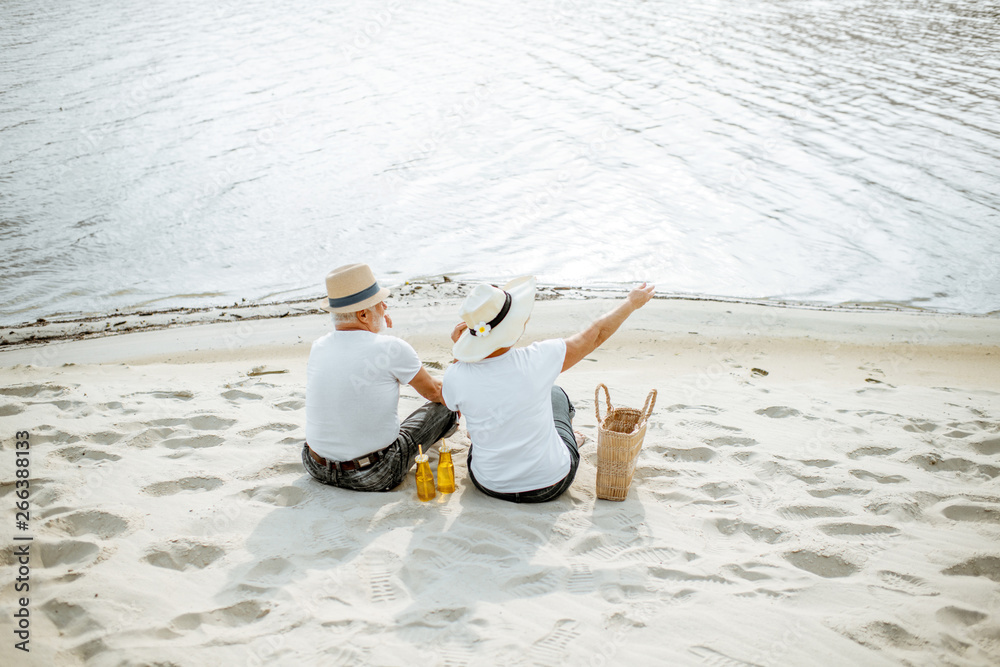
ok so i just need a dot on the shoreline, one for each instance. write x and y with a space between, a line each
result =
419 292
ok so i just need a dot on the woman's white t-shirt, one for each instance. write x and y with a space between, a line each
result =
352 392
507 405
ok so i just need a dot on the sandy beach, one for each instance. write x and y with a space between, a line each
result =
817 487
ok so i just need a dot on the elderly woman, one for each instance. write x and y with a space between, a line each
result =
521 424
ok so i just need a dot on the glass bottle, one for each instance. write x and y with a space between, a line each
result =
446 469
425 478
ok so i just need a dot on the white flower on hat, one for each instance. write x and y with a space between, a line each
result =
483 330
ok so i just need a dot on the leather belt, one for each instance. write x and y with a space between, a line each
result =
363 463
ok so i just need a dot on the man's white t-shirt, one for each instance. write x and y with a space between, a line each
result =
352 392
507 405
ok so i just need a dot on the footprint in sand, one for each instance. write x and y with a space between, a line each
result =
732 441
921 427
857 530
67 552
10 409
456 550
331 537
818 463
276 470
439 617
74 454
972 513
551 649
958 617
195 442
271 572
452 655
693 455
601 547
689 578
182 554
542 582
48 435
881 479
32 390
90 522
872 451
197 422
652 555
280 496
839 491
829 566
905 583
249 433
883 633
718 659
290 405
987 447
753 531
778 412
149 437
980 566
180 395
934 463
66 406
698 409
580 579
104 437
241 613
236 395
807 512
71 620
172 487
377 574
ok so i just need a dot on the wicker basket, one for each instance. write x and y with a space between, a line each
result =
619 438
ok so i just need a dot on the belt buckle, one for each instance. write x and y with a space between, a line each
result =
363 462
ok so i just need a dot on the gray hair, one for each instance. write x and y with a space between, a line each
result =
344 318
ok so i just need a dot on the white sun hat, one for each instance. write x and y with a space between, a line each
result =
495 317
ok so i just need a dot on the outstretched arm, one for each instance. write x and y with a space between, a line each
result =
580 345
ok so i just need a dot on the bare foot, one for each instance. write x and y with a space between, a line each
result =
580 439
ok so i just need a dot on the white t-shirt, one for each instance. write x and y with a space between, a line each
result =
507 405
352 392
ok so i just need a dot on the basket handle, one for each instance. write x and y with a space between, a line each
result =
647 408
597 401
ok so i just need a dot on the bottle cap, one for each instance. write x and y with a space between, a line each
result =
421 458
444 446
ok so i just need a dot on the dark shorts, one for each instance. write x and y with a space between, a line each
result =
428 424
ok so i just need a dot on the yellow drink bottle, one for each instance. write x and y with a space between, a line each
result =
446 470
425 479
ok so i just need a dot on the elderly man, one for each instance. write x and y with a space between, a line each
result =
353 436
520 422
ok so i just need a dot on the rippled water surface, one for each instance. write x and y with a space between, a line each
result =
190 153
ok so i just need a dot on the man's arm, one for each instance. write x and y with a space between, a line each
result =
427 386
580 345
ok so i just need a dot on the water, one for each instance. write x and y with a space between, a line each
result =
169 153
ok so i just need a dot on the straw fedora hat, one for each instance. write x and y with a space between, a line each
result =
351 288
495 317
